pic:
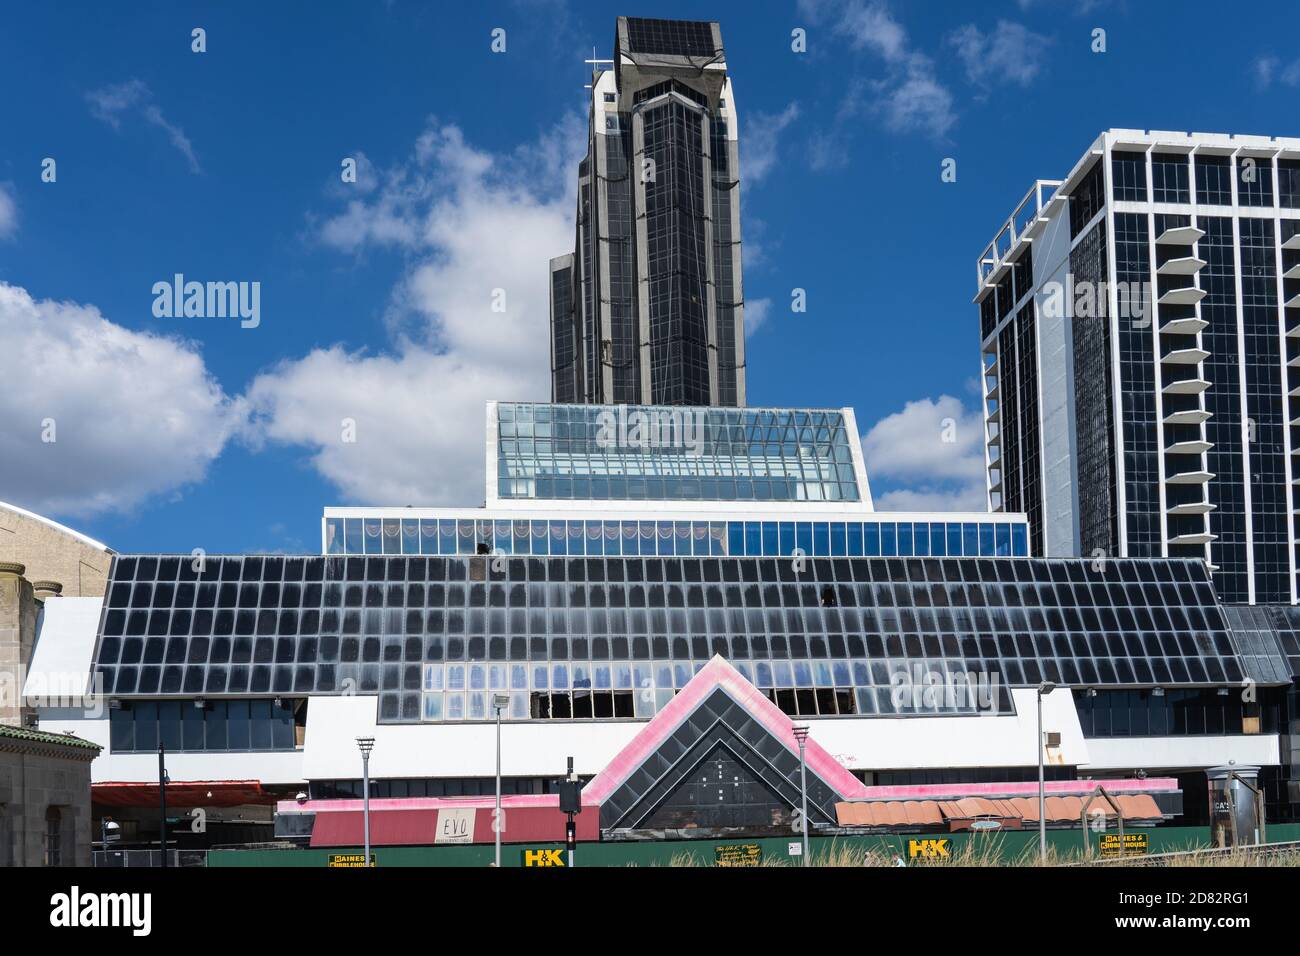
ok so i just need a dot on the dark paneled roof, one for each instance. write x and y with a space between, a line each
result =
326 625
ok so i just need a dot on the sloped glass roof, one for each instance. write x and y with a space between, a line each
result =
672 453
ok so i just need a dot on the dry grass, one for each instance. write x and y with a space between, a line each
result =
987 853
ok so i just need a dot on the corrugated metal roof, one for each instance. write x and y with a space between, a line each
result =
1068 809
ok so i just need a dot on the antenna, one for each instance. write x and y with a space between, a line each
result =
593 62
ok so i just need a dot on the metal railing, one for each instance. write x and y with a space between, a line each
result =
144 858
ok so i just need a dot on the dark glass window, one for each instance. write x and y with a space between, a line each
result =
1087 199
1169 178
1254 181
1128 174
1288 183
1213 180
136 726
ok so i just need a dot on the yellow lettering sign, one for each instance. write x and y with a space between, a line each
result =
543 858
928 849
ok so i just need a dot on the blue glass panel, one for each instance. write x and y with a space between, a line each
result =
889 539
541 539
954 540
821 539
839 546
787 538
970 539
1002 540
1019 540
465 537
938 540
803 537
855 539
871 539
523 538
333 535
735 537
447 534
682 538
353 536
921 539
577 538
410 536
753 539
428 536
986 540
905 539
665 538
594 537
649 538
770 538
392 536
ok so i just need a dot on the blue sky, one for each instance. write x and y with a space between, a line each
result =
177 433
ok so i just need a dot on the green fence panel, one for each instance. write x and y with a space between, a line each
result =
979 847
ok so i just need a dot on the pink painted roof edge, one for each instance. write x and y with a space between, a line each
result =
516 800
718 673
1056 788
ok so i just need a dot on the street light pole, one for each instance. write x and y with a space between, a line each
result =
801 735
1045 688
365 744
500 702
162 805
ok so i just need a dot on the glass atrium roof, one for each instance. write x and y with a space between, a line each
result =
661 453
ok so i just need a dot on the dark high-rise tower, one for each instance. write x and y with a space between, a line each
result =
648 309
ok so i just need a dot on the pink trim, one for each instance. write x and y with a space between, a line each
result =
718 673
515 801
1056 788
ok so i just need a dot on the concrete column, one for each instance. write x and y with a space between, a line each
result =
17 634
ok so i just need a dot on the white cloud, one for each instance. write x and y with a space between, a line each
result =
760 140
909 98
929 456
480 229
8 212
968 497
872 26
1010 51
756 313
133 414
827 150
111 103
916 100
1269 69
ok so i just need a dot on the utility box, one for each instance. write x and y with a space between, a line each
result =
1235 811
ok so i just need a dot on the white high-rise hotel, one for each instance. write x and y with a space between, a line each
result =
1166 420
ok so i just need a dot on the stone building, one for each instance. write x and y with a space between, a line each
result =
45 817
51 552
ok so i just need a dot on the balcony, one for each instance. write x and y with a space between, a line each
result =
1191 417
1188 326
1187 295
1186 266
1180 236
1185 356
1187 386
